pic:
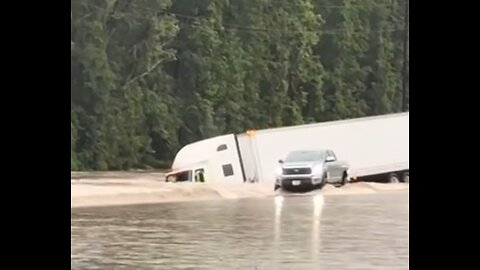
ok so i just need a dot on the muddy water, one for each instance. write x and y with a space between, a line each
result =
289 232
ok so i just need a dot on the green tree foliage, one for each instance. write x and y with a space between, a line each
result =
148 76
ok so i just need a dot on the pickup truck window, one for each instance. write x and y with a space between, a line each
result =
304 156
331 154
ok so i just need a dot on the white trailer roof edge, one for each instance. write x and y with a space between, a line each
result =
329 123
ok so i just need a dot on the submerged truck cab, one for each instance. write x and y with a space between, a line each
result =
311 169
211 160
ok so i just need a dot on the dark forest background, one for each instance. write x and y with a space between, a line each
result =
149 76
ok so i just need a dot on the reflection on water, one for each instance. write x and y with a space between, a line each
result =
300 232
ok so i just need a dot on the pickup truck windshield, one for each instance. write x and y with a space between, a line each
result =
304 156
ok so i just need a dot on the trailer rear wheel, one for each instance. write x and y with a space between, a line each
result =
405 178
393 178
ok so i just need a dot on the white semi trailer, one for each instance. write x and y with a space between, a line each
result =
376 148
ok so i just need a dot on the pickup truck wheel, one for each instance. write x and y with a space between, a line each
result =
344 179
342 182
393 178
276 187
322 183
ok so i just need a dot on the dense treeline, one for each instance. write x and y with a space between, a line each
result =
148 76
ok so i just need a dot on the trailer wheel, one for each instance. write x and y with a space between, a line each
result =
405 178
393 178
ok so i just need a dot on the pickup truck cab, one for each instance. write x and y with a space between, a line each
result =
311 169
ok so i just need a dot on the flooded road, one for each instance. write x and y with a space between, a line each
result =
289 232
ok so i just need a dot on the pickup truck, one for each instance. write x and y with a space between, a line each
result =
311 169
